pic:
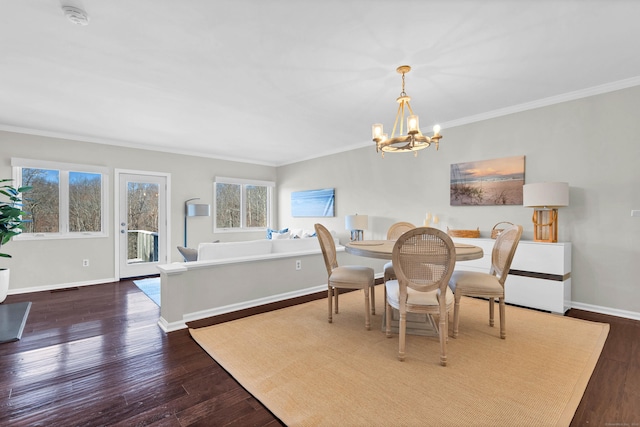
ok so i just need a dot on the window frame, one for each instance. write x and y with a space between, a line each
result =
243 208
64 170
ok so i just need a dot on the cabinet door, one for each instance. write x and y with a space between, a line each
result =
548 258
548 295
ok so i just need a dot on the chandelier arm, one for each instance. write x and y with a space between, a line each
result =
409 107
402 119
395 124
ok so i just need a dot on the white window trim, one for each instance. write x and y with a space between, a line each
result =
19 163
242 181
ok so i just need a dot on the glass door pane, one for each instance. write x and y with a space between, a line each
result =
142 222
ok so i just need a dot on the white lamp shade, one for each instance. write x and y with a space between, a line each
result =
198 210
545 194
356 222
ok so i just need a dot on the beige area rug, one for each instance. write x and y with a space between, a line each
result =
309 372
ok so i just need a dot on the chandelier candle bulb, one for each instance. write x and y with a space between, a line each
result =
376 130
412 125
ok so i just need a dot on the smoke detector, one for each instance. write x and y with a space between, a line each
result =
76 15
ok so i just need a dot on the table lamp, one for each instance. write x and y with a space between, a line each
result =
356 224
545 198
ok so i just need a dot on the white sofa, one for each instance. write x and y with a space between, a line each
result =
257 248
237 275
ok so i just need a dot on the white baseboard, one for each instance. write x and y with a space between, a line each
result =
61 286
606 310
170 327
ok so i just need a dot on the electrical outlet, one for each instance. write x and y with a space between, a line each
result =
635 212
298 264
85 263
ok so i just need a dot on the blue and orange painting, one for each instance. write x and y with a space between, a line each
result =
313 203
488 182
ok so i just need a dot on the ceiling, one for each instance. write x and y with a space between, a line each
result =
279 81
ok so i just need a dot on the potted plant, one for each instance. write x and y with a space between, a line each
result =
11 224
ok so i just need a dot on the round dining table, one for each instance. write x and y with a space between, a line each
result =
383 249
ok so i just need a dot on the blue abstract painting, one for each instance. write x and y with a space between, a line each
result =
313 203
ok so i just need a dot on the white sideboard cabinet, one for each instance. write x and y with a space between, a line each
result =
540 274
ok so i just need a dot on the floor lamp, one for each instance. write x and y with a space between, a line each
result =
356 224
194 209
545 198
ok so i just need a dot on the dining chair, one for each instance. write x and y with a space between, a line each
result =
488 285
423 259
346 277
396 230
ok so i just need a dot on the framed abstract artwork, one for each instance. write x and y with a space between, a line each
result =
313 203
487 182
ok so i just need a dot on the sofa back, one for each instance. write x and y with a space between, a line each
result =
215 251
218 251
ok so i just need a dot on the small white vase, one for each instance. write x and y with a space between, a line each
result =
4 283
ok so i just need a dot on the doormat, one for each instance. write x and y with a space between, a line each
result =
13 317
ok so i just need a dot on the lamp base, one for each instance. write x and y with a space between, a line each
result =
545 225
357 235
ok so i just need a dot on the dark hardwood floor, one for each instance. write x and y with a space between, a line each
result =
94 356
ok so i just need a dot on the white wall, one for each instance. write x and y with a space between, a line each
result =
38 265
592 143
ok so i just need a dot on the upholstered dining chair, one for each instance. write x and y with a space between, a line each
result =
423 259
396 230
347 276
488 285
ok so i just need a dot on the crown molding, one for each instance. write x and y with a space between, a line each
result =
545 102
126 144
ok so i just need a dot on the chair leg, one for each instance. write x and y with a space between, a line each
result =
367 318
491 311
443 339
456 316
372 290
503 331
446 324
388 313
330 300
336 293
402 333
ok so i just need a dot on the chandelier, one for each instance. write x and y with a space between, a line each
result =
414 140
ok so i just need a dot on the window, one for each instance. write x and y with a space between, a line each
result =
66 200
241 204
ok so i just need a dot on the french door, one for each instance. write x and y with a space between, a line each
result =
142 215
